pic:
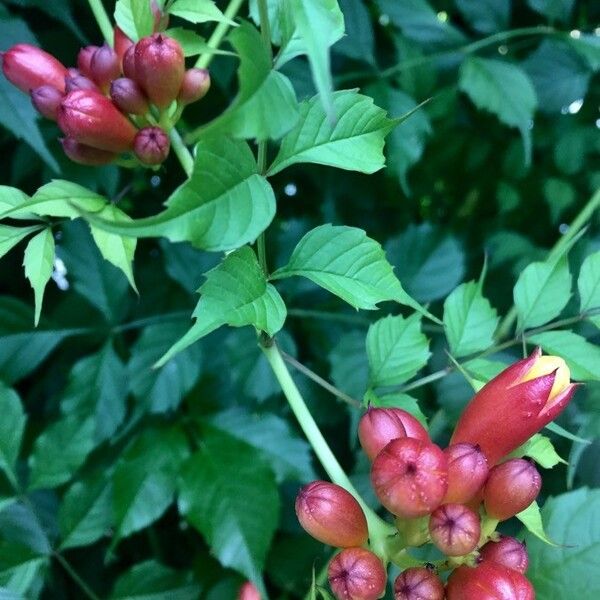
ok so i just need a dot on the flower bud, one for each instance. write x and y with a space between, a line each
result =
92 119
410 477
46 99
159 68
129 63
122 43
128 96
454 529
508 551
86 155
28 67
151 145
511 487
514 405
79 82
331 515
379 426
195 85
418 583
84 60
248 591
488 581
105 66
357 574
467 472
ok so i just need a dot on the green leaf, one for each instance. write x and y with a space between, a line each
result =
151 580
11 197
588 285
542 291
235 293
135 18
397 350
216 485
469 319
192 43
540 448
553 9
532 519
583 357
569 570
349 365
12 426
354 142
224 205
58 199
359 41
397 400
59 451
145 479
485 16
560 195
588 47
346 262
39 262
198 11
503 89
266 105
11 236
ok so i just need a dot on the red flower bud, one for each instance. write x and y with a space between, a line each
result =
46 100
357 574
379 426
513 406
129 63
454 529
195 85
151 145
331 515
86 155
467 472
122 43
159 68
92 119
410 477
28 67
511 487
248 592
418 583
128 96
508 551
105 66
488 581
79 82
84 60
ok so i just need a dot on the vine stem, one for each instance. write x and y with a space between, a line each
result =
182 151
102 19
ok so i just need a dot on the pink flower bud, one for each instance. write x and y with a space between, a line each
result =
92 119
28 67
84 60
86 155
379 426
122 43
46 100
129 63
508 551
159 68
331 515
357 574
467 472
151 145
418 583
128 96
248 591
454 529
79 82
195 85
410 477
105 66
511 487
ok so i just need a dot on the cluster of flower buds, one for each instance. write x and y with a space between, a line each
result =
117 100
452 497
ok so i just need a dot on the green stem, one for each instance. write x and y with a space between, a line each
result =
265 26
85 588
262 169
102 19
181 150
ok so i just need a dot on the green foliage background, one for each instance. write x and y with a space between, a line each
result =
179 482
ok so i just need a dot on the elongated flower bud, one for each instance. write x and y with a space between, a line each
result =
508 551
46 100
513 406
195 85
410 477
105 66
454 529
467 472
86 155
92 119
418 583
331 515
79 82
151 145
248 591
159 68
122 43
357 574
128 96
28 67
488 581
511 487
84 60
129 63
